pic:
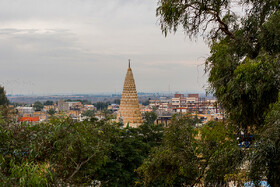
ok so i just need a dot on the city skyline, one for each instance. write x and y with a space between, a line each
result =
84 46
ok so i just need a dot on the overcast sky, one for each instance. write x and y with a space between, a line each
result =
83 46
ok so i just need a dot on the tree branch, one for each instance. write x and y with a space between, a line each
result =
78 166
224 27
203 171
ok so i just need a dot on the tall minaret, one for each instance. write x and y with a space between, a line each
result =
129 111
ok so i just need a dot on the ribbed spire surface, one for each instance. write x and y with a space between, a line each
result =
129 110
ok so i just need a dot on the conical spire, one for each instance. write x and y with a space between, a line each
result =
129 109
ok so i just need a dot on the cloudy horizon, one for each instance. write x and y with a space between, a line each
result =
83 46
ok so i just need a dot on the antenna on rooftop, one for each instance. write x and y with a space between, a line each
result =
129 63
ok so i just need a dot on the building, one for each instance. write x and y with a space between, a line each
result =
31 120
193 95
24 110
63 106
129 110
113 107
178 100
89 107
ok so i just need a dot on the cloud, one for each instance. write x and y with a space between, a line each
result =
83 45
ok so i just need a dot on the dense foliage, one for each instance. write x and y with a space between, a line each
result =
101 105
51 111
67 150
88 113
130 147
265 158
63 152
38 106
150 117
3 98
243 66
189 156
48 103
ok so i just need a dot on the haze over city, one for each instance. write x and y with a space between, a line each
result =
84 46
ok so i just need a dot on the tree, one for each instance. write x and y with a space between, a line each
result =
78 149
101 105
65 152
151 134
88 113
85 102
59 152
221 158
190 156
3 98
146 103
30 174
244 64
172 163
127 153
130 146
5 111
150 117
265 158
48 103
38 106
51 111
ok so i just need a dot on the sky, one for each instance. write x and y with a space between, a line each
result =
83 46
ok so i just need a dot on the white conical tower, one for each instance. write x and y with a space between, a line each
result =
129 111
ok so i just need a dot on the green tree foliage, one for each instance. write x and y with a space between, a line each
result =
18 104
146 103
243 66
265 158
130 147
88 113
190 156
5 111
30 174
65 152
51 111
48 103
150 117
73 151
101 105
80 150
126 156
38 106
3 98
84 101
107 113
245 90
221 156
151 134
244 62
173 163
